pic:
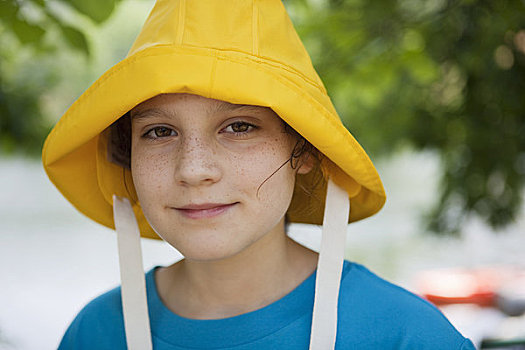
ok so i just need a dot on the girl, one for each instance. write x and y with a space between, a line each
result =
213 133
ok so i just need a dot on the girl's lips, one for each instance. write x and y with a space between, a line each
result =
202 211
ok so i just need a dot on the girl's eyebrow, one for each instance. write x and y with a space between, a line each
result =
222 107
147 113
230 107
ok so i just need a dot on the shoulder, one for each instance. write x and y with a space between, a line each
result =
99 324
385 315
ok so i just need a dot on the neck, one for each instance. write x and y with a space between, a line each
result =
259 275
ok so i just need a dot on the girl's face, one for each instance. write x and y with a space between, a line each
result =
199 168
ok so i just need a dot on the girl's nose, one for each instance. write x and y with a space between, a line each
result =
197 163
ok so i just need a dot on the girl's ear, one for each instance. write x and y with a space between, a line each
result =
306 163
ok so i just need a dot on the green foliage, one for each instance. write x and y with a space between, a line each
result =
97 10
445 75
29 20
39 29
21 126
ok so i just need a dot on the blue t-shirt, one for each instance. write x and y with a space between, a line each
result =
373 314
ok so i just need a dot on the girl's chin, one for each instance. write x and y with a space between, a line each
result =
206 249
208 256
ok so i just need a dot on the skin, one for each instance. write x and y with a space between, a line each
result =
202 169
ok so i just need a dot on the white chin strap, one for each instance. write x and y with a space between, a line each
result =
329 268
133 286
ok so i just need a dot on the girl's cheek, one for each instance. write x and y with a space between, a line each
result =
145 170
269 166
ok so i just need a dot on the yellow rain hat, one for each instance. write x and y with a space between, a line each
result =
242 52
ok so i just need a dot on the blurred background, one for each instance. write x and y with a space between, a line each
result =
433 89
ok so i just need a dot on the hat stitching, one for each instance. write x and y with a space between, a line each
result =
255 32
181 24
258 59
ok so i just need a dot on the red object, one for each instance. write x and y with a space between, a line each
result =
460 286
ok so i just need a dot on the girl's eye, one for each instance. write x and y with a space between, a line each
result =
239 128
159 132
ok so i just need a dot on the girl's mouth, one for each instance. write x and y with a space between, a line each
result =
203 211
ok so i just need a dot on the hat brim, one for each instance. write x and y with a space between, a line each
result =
75 152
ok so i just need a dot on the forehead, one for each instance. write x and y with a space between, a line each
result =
179 101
